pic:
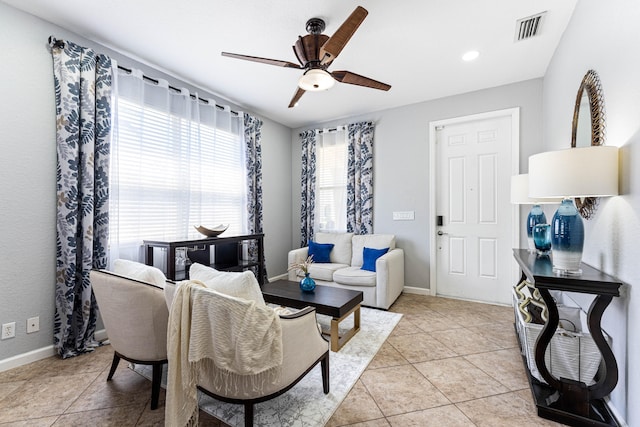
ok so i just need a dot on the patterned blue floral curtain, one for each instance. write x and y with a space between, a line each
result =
253 154
82 82
308 185
360 178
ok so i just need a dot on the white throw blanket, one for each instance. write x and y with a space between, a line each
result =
236 340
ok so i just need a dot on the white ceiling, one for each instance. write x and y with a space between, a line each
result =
413 45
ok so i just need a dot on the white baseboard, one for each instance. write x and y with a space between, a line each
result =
284 276
416 290
616 414
38 354
100 335
25 358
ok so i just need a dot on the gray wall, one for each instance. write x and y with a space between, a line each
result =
401 160
27 176
28 170
604 36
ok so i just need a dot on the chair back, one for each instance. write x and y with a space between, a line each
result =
134 313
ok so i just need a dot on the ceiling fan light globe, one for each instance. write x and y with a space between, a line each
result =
315 80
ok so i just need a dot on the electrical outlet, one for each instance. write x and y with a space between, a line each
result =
8 330
33 324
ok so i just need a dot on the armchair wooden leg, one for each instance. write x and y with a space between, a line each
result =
155 384
114 365
248 415
324 363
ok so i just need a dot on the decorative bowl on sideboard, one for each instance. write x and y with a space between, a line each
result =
212 232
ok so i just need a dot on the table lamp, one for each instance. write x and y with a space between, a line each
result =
520 196
574 172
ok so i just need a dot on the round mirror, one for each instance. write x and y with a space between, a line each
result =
583 126
588 127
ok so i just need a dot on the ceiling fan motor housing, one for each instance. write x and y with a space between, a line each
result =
307 50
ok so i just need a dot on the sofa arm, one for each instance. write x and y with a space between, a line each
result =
296 256
389 277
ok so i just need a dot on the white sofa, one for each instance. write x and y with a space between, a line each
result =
380 288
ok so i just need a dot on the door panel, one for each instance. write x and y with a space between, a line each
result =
457 201
458 256
487 193
488 258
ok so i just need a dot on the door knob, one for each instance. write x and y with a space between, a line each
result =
441 233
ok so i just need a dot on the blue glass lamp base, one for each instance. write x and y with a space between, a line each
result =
567 239
561 272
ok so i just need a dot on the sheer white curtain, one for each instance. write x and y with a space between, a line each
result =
331 180
176 162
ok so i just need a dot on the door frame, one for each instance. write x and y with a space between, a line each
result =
514 113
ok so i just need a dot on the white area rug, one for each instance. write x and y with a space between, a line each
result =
305 404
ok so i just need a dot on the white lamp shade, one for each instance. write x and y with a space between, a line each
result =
520 192
315 80
574 172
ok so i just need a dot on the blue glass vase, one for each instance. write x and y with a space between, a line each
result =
567 238
542 238
536 216
307 284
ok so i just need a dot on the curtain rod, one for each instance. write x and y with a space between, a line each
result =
323 130
331 129
155 81
328 130
60 44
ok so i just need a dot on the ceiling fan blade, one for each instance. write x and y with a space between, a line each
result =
296 97
356 79
332 48
276 62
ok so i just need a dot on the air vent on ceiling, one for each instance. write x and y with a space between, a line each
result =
530 26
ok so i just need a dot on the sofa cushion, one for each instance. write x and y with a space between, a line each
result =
354 276
341 253
374 241
370 256
320 251
139 271
324 271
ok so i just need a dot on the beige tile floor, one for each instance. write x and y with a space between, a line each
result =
447 363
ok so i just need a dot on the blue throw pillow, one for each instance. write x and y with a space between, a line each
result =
320 251
370 256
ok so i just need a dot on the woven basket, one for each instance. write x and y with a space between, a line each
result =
571 354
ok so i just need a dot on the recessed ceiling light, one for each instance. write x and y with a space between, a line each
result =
471 55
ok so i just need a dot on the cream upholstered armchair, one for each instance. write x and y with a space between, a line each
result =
302 345
135 316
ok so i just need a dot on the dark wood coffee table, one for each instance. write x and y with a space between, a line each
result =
335 302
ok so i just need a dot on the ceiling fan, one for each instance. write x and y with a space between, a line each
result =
316 51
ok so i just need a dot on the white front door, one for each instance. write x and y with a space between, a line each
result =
473 245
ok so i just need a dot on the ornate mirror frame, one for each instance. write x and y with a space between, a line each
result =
593 89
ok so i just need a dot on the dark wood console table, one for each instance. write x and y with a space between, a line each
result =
564 400
227 253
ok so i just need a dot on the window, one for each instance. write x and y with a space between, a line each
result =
176 164
331 181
